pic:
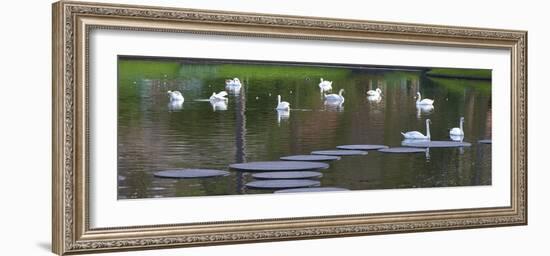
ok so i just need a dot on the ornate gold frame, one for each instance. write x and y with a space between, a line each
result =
72 22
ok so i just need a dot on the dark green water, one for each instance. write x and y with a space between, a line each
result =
154 135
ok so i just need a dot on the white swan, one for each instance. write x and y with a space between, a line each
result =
416 135
233 85
175 96
458 131
325 85
376 92
420 101
335 98
218 96
233 82
282 105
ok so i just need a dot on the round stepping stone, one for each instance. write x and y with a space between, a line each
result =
310 158
340 152
436 144
156 189
277 184
402 150
320 189
190 173
485 141
274 166
287 175
361 147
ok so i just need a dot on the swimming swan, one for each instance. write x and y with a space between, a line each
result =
376 92
416 135
335 98
282 105
420 101
175 96
325 85
218 96
235 82
458 131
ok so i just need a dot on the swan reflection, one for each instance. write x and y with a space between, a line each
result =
409 142
175 106
374 98
423 110
282 115
334 106
218 105
233 90
427 154
459 138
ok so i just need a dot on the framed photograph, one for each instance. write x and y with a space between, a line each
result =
178 127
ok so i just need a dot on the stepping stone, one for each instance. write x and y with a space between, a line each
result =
320 189
362 147
485 141
156 189
275 166
310 158
190 173
435 144
276 184
402 150
340 152
287 175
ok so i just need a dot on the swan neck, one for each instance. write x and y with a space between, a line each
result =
461 125
279 99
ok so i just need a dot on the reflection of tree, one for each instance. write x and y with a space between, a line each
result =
317 128
488 122
240 136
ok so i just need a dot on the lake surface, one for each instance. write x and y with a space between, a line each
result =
154 135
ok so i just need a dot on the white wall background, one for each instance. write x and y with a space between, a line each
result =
25 117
